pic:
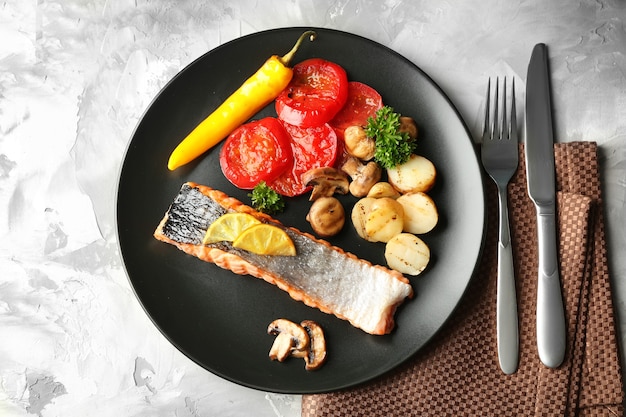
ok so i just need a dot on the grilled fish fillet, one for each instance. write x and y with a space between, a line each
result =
320 275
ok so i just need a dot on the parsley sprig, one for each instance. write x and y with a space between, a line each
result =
392 146
266 200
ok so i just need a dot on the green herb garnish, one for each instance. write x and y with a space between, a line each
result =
266 200
392 146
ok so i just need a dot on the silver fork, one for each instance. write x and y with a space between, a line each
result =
499 154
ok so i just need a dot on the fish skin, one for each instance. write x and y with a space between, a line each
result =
364 294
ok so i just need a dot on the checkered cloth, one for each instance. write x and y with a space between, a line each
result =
457 373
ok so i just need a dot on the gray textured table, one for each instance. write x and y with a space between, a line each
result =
76 76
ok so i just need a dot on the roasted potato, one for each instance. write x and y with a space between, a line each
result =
384 220
420 212
417 174
407 253
360 211
383 189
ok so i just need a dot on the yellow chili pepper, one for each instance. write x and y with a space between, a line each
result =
254 94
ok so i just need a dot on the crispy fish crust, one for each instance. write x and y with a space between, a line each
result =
320 275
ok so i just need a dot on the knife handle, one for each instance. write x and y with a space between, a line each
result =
550 312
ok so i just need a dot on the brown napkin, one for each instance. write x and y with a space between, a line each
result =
457 373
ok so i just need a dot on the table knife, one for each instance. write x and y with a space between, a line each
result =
542 190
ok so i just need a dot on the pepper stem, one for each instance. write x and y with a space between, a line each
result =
289 55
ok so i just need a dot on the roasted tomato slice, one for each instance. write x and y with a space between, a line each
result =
256 151
312 147
363 102
316 93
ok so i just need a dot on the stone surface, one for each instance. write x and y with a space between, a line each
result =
76 76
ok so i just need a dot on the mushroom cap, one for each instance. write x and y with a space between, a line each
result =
316 355
282 347
408 125
290 337
299 335
364 176
326 216
325 181
352 166
358 144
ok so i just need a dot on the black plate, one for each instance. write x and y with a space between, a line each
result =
219 319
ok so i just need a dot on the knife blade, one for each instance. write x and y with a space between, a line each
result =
542 191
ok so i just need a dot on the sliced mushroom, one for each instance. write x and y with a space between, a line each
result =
315 356
282 347
325 181
290 338
364 176
358 144
327 216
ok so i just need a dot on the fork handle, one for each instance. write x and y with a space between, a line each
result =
506 299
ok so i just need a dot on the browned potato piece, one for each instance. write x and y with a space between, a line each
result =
383 189
420 212
360 211
417 174
385 220
407 253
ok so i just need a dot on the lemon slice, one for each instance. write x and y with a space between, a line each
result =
228 227
265 239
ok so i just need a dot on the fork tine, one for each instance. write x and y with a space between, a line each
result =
513 134
502 123
504 128
486 134
494 130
